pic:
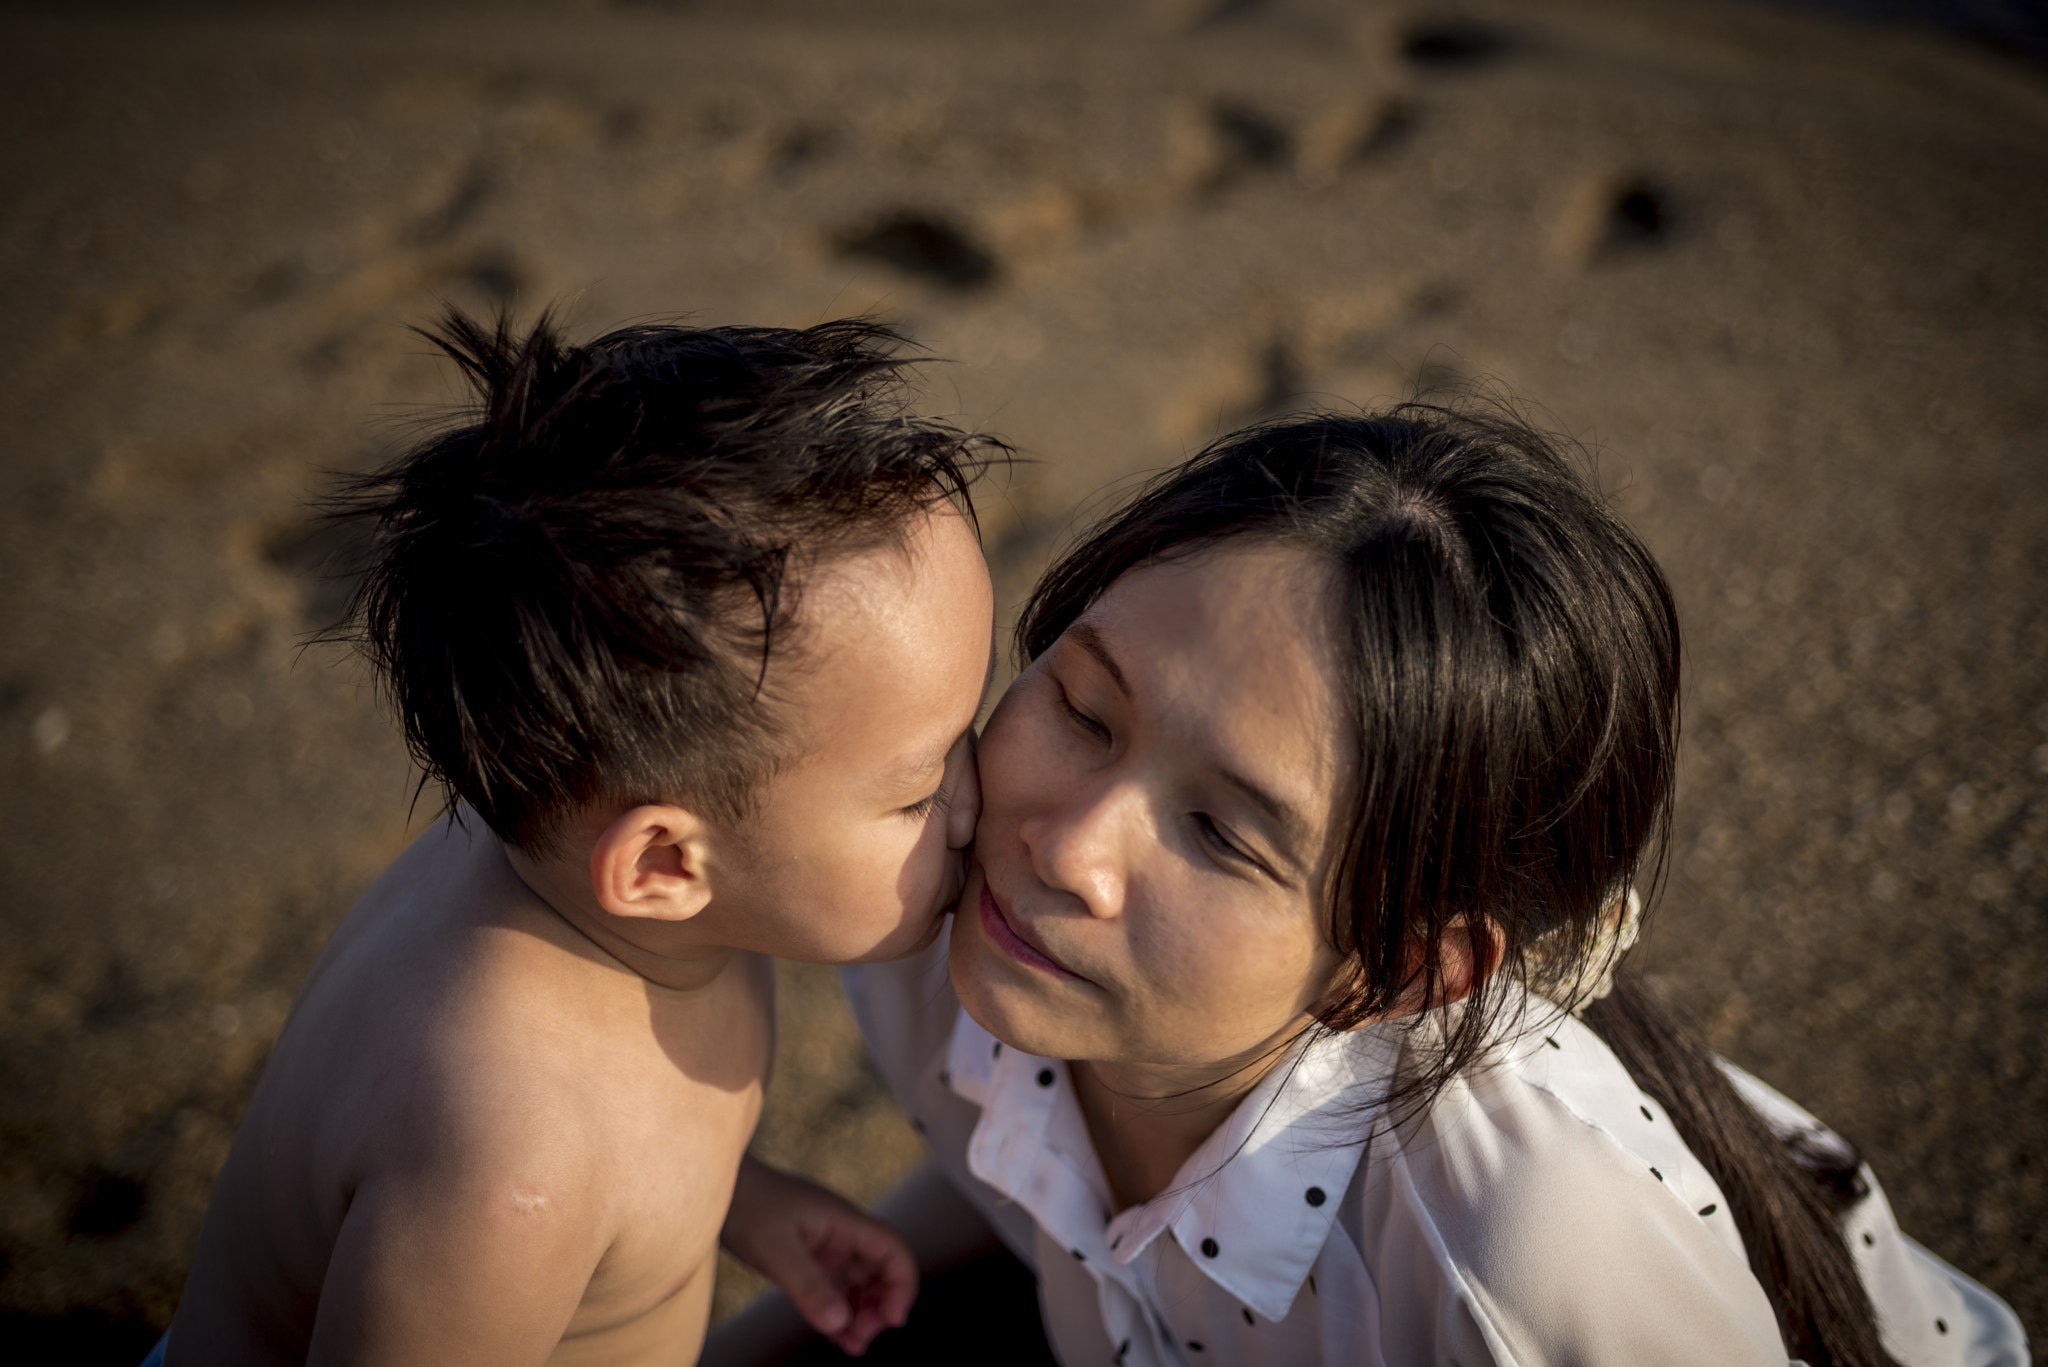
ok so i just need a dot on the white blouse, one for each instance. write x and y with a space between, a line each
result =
1541 1211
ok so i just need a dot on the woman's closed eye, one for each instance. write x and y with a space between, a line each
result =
1217 840
1081 719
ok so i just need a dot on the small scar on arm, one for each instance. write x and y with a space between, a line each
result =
529 1202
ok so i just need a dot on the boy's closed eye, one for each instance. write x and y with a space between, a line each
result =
941 800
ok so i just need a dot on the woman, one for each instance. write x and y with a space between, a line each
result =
1312 819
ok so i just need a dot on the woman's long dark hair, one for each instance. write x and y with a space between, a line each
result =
1512 654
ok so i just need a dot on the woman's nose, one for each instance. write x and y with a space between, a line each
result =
964 808
1077 845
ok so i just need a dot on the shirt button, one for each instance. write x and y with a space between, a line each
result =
1045 1077
1209 1249
1316 1196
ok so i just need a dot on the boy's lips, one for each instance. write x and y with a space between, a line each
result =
998 927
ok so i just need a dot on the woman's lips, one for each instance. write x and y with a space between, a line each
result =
998 928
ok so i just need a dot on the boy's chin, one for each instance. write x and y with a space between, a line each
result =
907 941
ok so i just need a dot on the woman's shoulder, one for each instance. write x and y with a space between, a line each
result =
1565 1213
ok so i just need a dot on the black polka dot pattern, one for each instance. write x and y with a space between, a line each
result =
1209 1249
1656 1174
998 1050
1045 1077
1122 1349
1079 1256
1314 1196
1868 1242
1941 1326
1194 1346
1552 1043
1646 1114
1312 1284
1247 1316
1709 1208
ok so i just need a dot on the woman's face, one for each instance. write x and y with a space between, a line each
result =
1158 792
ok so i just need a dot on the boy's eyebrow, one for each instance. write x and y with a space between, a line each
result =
905 774
1290 827
913 772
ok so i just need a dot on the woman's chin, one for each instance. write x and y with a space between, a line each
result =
1003 998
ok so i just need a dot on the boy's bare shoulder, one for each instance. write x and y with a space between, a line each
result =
501 1030
470 1109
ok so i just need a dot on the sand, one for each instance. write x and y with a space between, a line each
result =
1787 274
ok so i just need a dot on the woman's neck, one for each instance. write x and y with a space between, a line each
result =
1147 1121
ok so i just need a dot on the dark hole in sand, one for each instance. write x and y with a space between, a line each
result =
107 1204
625 122
1250 139
1393 126
276 280
800 147
923 245
1224 11
1279 378
490 276
1450 44
1640 215
463 204
15 691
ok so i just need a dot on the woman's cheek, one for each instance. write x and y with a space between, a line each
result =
1017 747
1173 956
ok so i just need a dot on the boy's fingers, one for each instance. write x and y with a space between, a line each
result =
816 1296
898 1295
861 1333
893 1277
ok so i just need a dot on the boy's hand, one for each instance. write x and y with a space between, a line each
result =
849 1274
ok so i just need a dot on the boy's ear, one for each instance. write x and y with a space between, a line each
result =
653 862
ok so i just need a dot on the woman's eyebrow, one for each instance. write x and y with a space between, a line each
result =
1084 635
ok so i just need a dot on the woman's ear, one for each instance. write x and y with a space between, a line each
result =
1468 953
653 863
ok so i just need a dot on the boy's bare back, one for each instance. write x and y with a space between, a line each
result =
480 1131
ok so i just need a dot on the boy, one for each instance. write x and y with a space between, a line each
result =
691 630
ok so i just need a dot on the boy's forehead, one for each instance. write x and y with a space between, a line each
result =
896 646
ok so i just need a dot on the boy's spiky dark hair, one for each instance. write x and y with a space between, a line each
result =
575 587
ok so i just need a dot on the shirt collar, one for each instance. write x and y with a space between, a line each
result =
1252 1207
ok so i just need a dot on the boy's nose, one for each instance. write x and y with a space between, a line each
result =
965 808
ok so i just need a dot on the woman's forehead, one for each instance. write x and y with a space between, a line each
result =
1239 596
